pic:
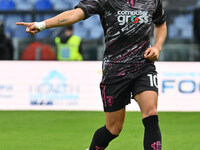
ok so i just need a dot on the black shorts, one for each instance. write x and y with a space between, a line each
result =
117 95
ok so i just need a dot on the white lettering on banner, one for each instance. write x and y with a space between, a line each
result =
54 89
6 91
178 86
183 86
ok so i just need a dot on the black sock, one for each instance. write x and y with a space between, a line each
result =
152 135
101 139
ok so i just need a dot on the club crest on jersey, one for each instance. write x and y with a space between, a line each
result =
132 2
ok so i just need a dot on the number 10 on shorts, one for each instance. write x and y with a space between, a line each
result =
153 80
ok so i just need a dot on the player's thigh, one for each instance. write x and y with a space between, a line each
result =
115 121
145 89
147 101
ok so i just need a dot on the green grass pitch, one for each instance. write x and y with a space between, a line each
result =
69 130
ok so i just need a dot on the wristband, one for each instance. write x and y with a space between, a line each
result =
40 25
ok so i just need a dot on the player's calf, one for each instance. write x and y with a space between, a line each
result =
152 136
101 139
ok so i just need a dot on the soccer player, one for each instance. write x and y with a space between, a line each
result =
128 64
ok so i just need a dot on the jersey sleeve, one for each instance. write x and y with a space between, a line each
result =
91 7
159 15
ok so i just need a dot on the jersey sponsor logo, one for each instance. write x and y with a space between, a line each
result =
137 16
132 2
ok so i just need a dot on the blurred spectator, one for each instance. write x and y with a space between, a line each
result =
68 45
6 47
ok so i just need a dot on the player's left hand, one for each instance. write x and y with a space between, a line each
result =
152 53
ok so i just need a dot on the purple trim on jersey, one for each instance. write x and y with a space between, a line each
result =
124 56
123 72
139 66
104 94
107 45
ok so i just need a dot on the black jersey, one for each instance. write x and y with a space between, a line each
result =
127 27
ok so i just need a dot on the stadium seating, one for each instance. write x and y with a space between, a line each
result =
7 5
24 5
43 5
198 2
61 4
74 3
19 32
177 28
96 32
27 18
43 34
79 30
88 29
10 21
92 25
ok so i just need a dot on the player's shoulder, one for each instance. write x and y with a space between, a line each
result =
95 2
158 2
102 2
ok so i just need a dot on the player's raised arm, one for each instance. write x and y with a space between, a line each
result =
63 19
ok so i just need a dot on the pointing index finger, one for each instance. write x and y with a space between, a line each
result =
22 23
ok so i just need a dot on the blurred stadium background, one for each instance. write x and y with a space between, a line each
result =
52 85
182 18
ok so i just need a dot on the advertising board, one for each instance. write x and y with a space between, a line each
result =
50 85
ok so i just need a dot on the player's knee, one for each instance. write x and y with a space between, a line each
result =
118 128
115 128
149 112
